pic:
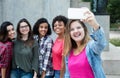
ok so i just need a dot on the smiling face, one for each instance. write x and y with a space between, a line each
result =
77 32
24 28
43 29
59 27
11 32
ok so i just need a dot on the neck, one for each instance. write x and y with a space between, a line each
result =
79 49
24 37
60 36
79 44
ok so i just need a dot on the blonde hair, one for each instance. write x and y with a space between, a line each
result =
69 43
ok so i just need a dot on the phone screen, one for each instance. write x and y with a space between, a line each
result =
77 13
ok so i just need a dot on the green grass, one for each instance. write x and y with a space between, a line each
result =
115 41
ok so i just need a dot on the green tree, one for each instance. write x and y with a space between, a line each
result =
114 10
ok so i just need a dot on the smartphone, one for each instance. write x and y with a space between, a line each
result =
77 13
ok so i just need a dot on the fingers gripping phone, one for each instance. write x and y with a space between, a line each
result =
77 13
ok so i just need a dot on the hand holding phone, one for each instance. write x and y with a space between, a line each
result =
77 13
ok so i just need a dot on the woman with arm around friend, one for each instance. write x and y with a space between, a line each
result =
25 54
82 52
7 34
42 32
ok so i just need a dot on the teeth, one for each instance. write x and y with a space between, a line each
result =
77 35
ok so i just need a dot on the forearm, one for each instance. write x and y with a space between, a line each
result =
96 26
62 71
43 74
35 75
3 72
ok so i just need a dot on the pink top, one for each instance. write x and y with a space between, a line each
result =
78 66
57 50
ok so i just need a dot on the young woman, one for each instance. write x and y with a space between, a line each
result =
25 54
81 52
42 31
59 26
7 34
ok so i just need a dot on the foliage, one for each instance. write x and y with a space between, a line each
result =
114 25
113 9
115 41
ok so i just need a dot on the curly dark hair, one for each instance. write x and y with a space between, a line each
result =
60 18
36 26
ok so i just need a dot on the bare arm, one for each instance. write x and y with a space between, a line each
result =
62 71
90 19
35 75
43 74
3 72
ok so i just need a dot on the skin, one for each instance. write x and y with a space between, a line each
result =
11 32
77 34
24 29
43 28
11 35
59 28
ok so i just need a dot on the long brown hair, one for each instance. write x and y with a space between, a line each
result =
69 43
30 40
4 32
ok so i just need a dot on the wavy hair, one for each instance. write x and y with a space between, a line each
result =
4 32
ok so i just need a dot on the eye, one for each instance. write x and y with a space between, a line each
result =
79 27
46 27
12 29
72 29
60 24
55 25
41 26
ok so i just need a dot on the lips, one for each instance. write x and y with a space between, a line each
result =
43 32
57 29
77 34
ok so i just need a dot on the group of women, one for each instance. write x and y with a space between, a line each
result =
34 54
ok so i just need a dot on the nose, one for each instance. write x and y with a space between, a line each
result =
43 29
75 30
12 32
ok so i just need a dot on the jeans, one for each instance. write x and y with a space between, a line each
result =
19 73
57 73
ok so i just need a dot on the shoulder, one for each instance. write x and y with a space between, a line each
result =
2 45
5 45
8 43
17 42
35 43
36 37
48 39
